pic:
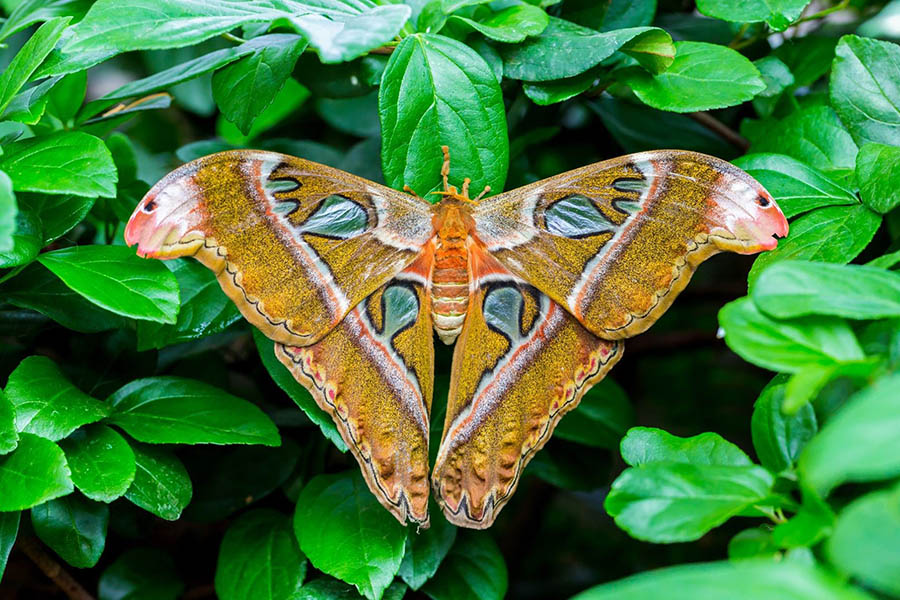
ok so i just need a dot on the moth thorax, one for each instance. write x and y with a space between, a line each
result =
450 288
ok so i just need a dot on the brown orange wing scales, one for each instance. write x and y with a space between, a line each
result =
294 244
615 242
521 362
374 374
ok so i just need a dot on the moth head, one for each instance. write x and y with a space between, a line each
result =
743 217
165 223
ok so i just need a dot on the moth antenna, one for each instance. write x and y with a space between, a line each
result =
486 189
465 188
409 190
445 169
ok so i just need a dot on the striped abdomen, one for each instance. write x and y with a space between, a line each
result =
450 288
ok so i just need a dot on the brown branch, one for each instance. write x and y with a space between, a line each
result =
721 129
383 50
52 569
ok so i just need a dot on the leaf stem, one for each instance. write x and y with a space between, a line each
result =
52 569
825 12
721 129
233 38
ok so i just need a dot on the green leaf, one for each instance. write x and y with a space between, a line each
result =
8 211
425 550
346 533
46 403
115 278
752 543
666 502
295 390
349 34
286 102
778 437
648 445
437 91
811 523
161 483
243 89
58 214
205 309
703 76
878 174
9 437
812 135
865 89
29 58
474 568
834 234
259 559
73 527
9 529
141 574
36 471
102 462
26 240
796 186
793 288
600 419
859 442
26 13
510 25
751 579
356 116
804 385
866 541
776 75
545 93
565 49
786 345
70 162
39 289
779 14
175 410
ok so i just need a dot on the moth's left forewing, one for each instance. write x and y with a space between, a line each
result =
615 242
374 375
521 362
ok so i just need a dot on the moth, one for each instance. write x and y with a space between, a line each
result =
537 287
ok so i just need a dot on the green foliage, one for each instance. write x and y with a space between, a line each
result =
124 379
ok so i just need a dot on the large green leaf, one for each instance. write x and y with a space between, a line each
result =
703 76
866 541
115 278
161 483
793 288
436 91
29 12
859 443
102 462
747 580
29 58
175 410
9 437
36 471
58 213
46 403
74 527
778 437
346 533
474 568
834 234
796 186
565 49
8 211
141 574
341 30
789 345
70 162
425 550
878 174
510 25
259 558
779 14
646 445
865 89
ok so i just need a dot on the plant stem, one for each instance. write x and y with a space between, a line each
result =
823 13
52 569
721 129
233 38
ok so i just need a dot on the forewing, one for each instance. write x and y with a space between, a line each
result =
294 244
616 241
374 374
521 362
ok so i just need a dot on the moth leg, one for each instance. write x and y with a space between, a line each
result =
486 189
445 168
465 187
409 190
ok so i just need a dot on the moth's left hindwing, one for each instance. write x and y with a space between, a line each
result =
294 244
521 362
373 374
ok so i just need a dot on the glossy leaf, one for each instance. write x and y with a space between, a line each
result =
9 437
436 91
474 568
175 410
161 483
9 529
778 437
141 574
58 213
703 76
360 542
545 93
28 59
36 471
8 211
786 345
797 288
864 89
73 527
878 174
779 14
751 544
600 419
795 185
647 445
425 550
259 559
116 279
350 33
510 25
102 463
26 240
859 442
46 403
